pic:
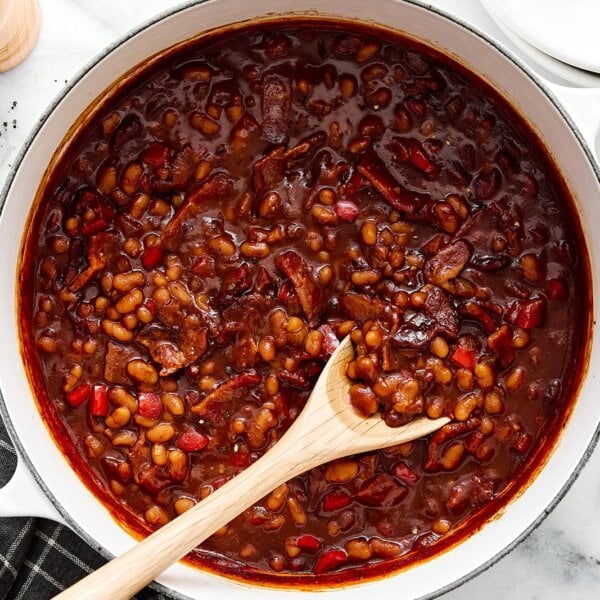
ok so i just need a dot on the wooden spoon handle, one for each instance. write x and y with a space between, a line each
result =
122 577
19 30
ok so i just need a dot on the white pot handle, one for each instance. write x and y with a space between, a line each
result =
23 497
583 106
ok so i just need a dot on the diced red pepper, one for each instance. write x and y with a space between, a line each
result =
221 481
150 405
463 358
417 107
99 402
346 210
286 291
241 458
527 313
151 257
79 395
308 543
150 304
557 289
156 155
282 405
336 501
355 182
419 159
192 441
94 226
330 341
403 472
330 560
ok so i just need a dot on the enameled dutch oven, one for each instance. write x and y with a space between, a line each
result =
42 466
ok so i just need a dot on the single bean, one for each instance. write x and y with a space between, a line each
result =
298 515
142 372
341 471
159 454
173 403
161 433
156 516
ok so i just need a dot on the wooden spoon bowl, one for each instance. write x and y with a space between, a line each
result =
326 429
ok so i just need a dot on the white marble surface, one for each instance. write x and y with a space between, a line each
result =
561 559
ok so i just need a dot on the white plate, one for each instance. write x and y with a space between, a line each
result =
567 31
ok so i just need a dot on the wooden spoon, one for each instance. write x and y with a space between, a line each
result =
19 31
326 429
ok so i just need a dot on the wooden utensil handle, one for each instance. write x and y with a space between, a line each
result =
19 30
124 576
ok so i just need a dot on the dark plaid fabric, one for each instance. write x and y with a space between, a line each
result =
38 557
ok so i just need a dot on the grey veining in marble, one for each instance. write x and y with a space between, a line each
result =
561 559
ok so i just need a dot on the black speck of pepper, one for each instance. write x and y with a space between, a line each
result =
14 123
13 105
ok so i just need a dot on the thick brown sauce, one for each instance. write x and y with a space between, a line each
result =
459 148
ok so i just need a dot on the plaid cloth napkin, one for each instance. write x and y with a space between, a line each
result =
38 557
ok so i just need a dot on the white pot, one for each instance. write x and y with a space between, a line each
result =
65 497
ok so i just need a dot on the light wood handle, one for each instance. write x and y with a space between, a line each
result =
125 575
19 31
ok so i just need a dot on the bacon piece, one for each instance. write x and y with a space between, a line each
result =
361 308
438 307
215 187
305 146
115 361
381 491
415 204
226 392
276 107
500 342
234 284
102 250
174 351
299 273
475 310
179 174
416 332
447 264
268 170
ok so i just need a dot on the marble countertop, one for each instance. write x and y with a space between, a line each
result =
561 558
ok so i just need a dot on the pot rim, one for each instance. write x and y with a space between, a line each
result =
508 55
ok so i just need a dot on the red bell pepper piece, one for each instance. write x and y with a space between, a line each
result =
330 560
527 313
94 226
557 289
403 472
308 543
192 441
150 405
419 159
463 358
79 395
241 458
99 402
346 210
151 257
157 155
336 501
